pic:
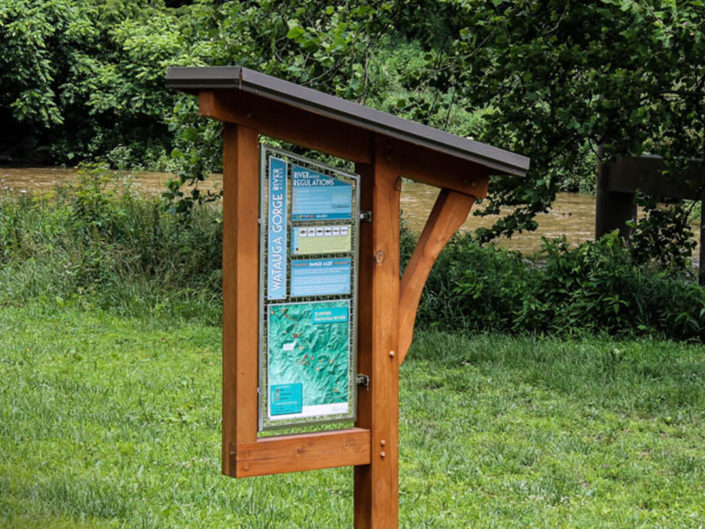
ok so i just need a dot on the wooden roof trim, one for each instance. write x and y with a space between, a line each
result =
339 139
196 79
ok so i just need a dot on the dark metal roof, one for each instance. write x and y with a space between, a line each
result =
193 79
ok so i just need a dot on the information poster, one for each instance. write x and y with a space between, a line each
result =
277 229
312 240
317 196
308 291
309 348
320 277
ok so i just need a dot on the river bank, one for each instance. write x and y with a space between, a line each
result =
572 215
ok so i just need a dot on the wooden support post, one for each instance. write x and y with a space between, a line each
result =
383 148
612 209
448 214
240 294
288 123
377 484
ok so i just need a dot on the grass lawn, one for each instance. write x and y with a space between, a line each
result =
114 422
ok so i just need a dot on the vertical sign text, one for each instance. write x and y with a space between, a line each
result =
277 223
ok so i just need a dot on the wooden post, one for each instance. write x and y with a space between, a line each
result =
377 484
240 288
612 209
383 147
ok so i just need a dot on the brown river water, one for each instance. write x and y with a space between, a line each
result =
572 216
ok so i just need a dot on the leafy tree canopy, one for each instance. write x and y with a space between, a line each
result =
550 79
563 78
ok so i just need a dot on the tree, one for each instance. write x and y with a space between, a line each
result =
323 45
551 79
565 77
79 79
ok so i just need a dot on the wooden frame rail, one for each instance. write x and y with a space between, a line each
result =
296 453
387 314
448 214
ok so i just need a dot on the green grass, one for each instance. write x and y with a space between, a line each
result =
108 421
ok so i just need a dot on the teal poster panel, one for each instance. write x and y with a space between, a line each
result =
308 359
277 227
316 196
309 219
286 399
320 277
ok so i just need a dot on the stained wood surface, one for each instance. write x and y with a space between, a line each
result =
340 139
376 485
441 170
288 123
363 474
240 293
373 446
448 214
296 453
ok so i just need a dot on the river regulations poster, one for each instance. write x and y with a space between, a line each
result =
308 296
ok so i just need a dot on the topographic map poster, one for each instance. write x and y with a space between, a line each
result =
308 359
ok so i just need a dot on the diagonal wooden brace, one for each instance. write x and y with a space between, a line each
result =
448 214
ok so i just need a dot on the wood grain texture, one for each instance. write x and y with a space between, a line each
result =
240 293
296 453
376 484
288 123
448 214
441 170
340 139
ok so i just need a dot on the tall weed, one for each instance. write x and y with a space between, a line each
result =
99 243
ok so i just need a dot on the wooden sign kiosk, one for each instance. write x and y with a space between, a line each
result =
384 148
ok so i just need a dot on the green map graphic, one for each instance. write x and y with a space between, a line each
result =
309 343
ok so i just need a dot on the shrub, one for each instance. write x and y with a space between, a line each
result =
100 244
596 287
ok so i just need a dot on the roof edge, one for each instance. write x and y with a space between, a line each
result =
192 79
203 78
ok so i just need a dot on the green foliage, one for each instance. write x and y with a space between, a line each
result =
565 78
100 244
551 80
323 46
663 235
596 288
197 153
81 79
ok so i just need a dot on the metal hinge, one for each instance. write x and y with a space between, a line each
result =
366 216
363 380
